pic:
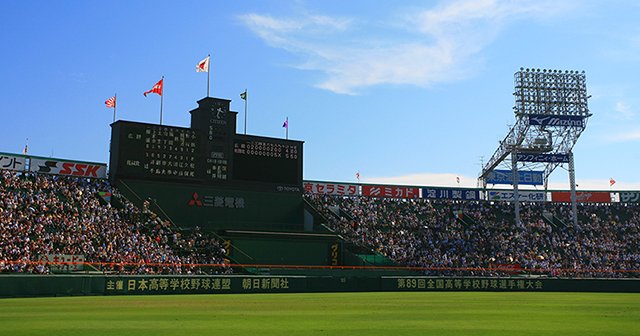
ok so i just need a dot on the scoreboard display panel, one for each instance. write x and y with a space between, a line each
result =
260 159
209 152
150 151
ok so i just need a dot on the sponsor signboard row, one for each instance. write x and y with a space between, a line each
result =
386 191
98 170
153 285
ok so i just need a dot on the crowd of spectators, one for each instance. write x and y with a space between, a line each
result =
481 238
44 215
55 215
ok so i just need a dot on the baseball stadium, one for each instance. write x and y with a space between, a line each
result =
203 229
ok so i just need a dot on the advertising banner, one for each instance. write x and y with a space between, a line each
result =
451 194
630 196
524 196
390 191
556 120
524 177
145 285
68 168
514 268
64 262
338 189
462 284
536 157
582 197
12 162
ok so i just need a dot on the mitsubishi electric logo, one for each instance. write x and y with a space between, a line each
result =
212 201
562 121
195 200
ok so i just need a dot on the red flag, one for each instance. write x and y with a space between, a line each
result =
203 66
111 102
157 88
612 182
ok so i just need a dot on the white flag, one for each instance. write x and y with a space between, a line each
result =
203 66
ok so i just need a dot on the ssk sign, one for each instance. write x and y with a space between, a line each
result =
68 168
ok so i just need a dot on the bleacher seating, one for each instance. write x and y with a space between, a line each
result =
56 215
478 237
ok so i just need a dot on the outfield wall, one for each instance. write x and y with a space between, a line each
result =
66 285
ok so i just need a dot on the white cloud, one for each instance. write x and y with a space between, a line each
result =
624 110
428 46
468 16
294 35
626 136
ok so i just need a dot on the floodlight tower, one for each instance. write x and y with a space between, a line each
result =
551 113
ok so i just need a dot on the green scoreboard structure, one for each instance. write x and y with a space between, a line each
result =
208 153
207 175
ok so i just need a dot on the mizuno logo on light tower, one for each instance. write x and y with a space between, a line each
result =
564 121
538 120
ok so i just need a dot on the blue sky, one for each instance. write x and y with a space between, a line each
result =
411 92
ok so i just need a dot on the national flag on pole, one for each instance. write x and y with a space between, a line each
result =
26 149
111 102
157 88
458 179
243 95
358 176
203 66
612 182
286 123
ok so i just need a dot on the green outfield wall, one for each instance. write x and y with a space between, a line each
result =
273 248
67 285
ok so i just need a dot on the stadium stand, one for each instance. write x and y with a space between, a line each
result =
56 215
480 237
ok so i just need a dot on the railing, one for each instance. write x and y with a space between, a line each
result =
489 270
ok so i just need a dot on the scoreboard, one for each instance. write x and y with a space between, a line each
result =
209 152
266 160
155 152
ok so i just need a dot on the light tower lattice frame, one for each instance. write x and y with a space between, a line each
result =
551 111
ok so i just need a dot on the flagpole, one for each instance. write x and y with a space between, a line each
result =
161 100
115 98
208 72
287 133
246 98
